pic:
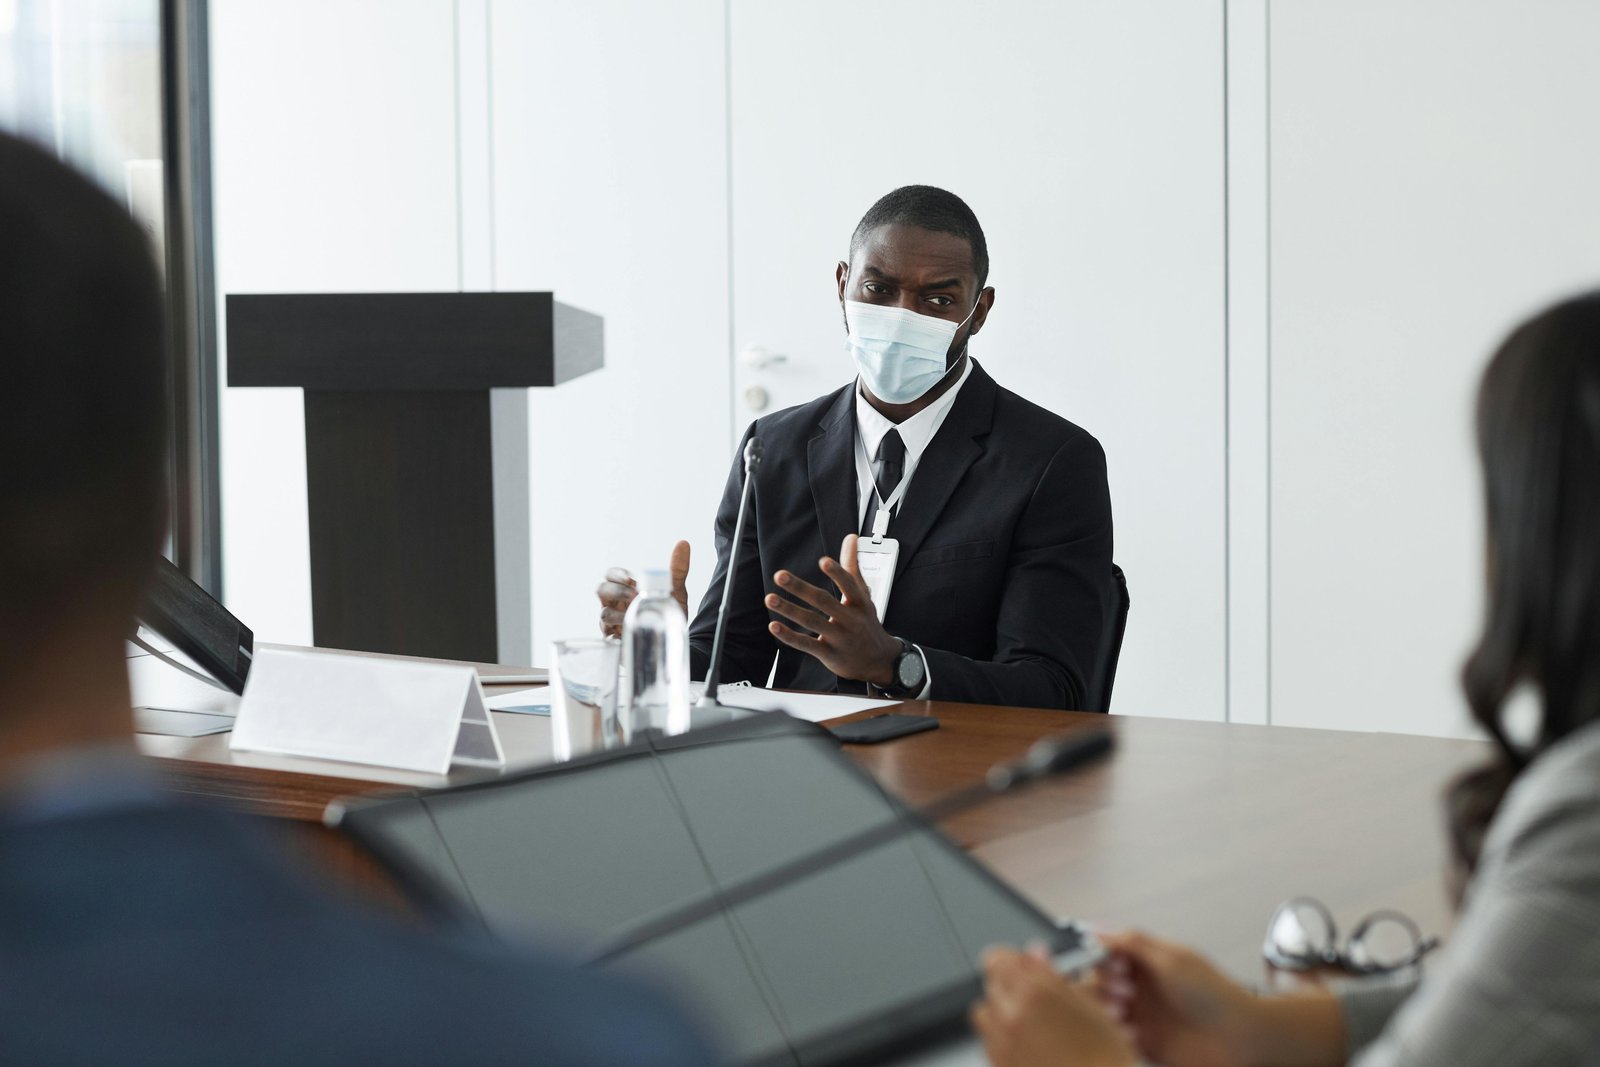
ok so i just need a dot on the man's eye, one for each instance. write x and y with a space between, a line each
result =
940 301
874 287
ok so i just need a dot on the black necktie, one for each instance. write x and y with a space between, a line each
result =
891 464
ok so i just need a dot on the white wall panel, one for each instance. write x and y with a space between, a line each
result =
1249 364
1087 137
1402 182
1432 181
610 165
333 131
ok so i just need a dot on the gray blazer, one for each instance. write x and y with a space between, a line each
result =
1519 982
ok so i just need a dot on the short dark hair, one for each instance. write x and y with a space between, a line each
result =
932 209
82 412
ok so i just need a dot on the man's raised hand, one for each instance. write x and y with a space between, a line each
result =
619 588
678 568
848 638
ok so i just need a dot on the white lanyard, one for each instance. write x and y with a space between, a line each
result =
880 521
877 556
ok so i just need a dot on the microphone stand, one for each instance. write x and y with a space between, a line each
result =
708 700
1045 759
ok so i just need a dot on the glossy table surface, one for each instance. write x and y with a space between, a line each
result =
1192 830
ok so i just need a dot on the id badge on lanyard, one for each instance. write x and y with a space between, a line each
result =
877 554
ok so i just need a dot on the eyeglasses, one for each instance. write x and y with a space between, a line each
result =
1302 936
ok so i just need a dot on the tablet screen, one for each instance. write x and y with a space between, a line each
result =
852 959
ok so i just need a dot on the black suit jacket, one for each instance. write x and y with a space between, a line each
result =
1004 576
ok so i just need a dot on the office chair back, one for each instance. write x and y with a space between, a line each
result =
1112 651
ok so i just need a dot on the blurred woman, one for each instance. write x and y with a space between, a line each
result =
1520 982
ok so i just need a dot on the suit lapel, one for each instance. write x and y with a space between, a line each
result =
953 449
831 470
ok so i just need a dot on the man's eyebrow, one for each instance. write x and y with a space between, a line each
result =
948 283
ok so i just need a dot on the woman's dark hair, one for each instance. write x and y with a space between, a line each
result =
1538 428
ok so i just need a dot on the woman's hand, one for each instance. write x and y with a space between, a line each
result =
1030 1016
1183 1012
1180 1009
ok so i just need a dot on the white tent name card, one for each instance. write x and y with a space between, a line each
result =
392 713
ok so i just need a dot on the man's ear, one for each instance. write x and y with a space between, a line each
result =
981 315
841 274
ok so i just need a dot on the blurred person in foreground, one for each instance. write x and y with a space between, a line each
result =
1519 983
135 928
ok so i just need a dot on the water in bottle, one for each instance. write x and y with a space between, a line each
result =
655 661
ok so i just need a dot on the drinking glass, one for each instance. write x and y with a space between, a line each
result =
583 696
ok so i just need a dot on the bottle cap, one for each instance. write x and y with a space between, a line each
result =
657 581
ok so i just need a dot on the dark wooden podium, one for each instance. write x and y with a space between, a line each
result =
416 455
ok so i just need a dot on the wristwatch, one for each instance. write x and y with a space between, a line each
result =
910 673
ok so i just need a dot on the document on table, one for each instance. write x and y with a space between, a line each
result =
813 707
522 701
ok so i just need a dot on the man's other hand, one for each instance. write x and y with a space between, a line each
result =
678 568
842 632
619 589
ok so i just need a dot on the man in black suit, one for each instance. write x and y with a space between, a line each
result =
135 929
1002 589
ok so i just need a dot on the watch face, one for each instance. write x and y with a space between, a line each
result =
908 671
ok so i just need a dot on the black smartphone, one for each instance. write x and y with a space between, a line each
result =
882 728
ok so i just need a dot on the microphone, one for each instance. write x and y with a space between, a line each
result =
1048 757
752 460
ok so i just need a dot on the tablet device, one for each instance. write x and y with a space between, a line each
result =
872 957
197 625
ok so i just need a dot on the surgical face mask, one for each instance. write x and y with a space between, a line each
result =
900 354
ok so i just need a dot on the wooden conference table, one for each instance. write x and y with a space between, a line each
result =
1191 830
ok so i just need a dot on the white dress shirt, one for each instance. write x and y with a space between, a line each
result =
916 433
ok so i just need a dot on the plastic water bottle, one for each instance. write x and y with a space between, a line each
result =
655 661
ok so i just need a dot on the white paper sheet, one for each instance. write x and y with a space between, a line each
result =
522 701
812 707
154 684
